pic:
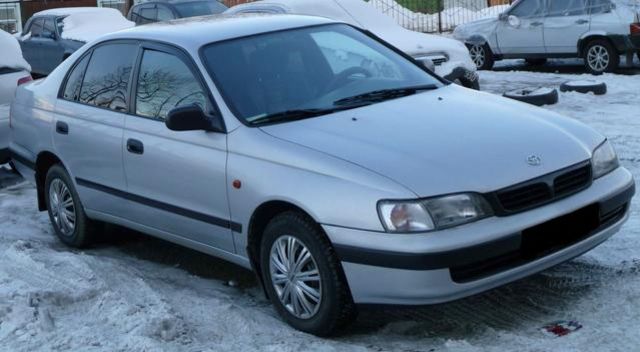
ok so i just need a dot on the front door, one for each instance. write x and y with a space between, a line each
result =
50 50
176 180
521 32
564 24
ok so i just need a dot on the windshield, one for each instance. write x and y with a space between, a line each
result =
312 70
199 8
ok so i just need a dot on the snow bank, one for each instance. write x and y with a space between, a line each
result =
88 23
11 53
449 17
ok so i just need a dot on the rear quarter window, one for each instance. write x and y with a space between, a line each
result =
74 80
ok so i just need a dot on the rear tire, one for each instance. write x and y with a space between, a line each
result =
322 304
70 223
481 55
600 56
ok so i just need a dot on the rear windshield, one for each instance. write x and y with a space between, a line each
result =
199 8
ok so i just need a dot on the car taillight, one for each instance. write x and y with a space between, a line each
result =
635 28
24 80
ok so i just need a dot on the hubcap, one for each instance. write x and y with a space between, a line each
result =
598 58
295 277
477 55
63 210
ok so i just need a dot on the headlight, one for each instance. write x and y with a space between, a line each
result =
604 160
432 214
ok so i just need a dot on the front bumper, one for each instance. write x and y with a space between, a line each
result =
437 267
467 78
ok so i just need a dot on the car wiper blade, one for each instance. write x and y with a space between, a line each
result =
384 94
301 114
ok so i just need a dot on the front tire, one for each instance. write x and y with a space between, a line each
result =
303 276
70 223
481 55
599 57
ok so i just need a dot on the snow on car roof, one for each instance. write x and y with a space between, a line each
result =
11 53
88 23
197 31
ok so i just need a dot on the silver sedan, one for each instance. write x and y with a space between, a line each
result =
339 169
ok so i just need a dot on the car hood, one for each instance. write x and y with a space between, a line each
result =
448 140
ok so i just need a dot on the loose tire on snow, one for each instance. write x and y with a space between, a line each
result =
481 55
322 303
66 213
535 96
597 88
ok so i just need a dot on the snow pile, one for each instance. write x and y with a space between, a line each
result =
11 56
422 22
88 23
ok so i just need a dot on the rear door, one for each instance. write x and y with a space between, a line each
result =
564 24
523 33
176 180
89 121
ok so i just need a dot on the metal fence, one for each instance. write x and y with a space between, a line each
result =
438 15
430 15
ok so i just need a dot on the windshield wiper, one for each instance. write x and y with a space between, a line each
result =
301 114
384 94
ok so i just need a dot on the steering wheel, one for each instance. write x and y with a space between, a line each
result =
341 77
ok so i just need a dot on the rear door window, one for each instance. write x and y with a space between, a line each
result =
106 81
49 28
559 8
165 82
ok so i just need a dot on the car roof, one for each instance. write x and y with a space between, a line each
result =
194 32
66 11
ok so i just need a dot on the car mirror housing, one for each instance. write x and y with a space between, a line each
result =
503 16
192 118
513 21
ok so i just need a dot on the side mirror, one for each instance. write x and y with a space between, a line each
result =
513 21
191 118
428 64
503 16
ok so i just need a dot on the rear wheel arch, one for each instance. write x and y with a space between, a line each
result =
44 162
582 42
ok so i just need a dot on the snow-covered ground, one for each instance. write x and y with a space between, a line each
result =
133 293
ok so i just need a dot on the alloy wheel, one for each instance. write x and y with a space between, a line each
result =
477 54
295 277
62 207
598 58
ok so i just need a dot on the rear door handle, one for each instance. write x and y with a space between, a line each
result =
62 127
582 21
536 24
134 146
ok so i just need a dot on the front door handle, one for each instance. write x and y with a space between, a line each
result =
536 24
582 21
134 146
62 127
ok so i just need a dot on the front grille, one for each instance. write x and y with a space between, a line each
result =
543 239
541 190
